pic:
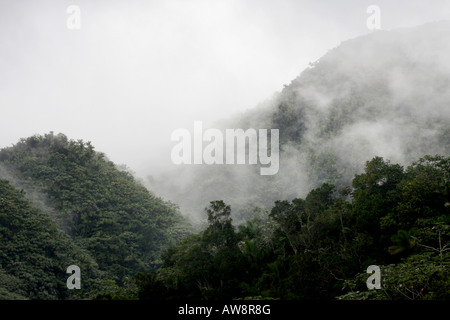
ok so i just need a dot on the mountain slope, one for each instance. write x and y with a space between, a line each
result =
383 94
102 209
34 255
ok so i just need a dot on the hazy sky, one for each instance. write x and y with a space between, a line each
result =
137 70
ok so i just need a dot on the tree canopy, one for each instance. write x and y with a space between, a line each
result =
319 247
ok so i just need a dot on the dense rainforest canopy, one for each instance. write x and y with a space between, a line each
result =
319 247
77 207
130 244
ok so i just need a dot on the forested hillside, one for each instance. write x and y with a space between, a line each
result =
34 254
355 186
320 246
86 205
364 179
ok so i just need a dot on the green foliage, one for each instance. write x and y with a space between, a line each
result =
111 291
421 276
289 119
34 255
133 245
116 223
204 266
315 248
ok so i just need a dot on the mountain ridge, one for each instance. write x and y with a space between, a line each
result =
381 94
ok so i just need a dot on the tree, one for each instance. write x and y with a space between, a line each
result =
220 232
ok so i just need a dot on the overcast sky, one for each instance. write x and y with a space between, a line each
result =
137 70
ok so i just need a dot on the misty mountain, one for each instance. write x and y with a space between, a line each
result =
63 203
382 94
